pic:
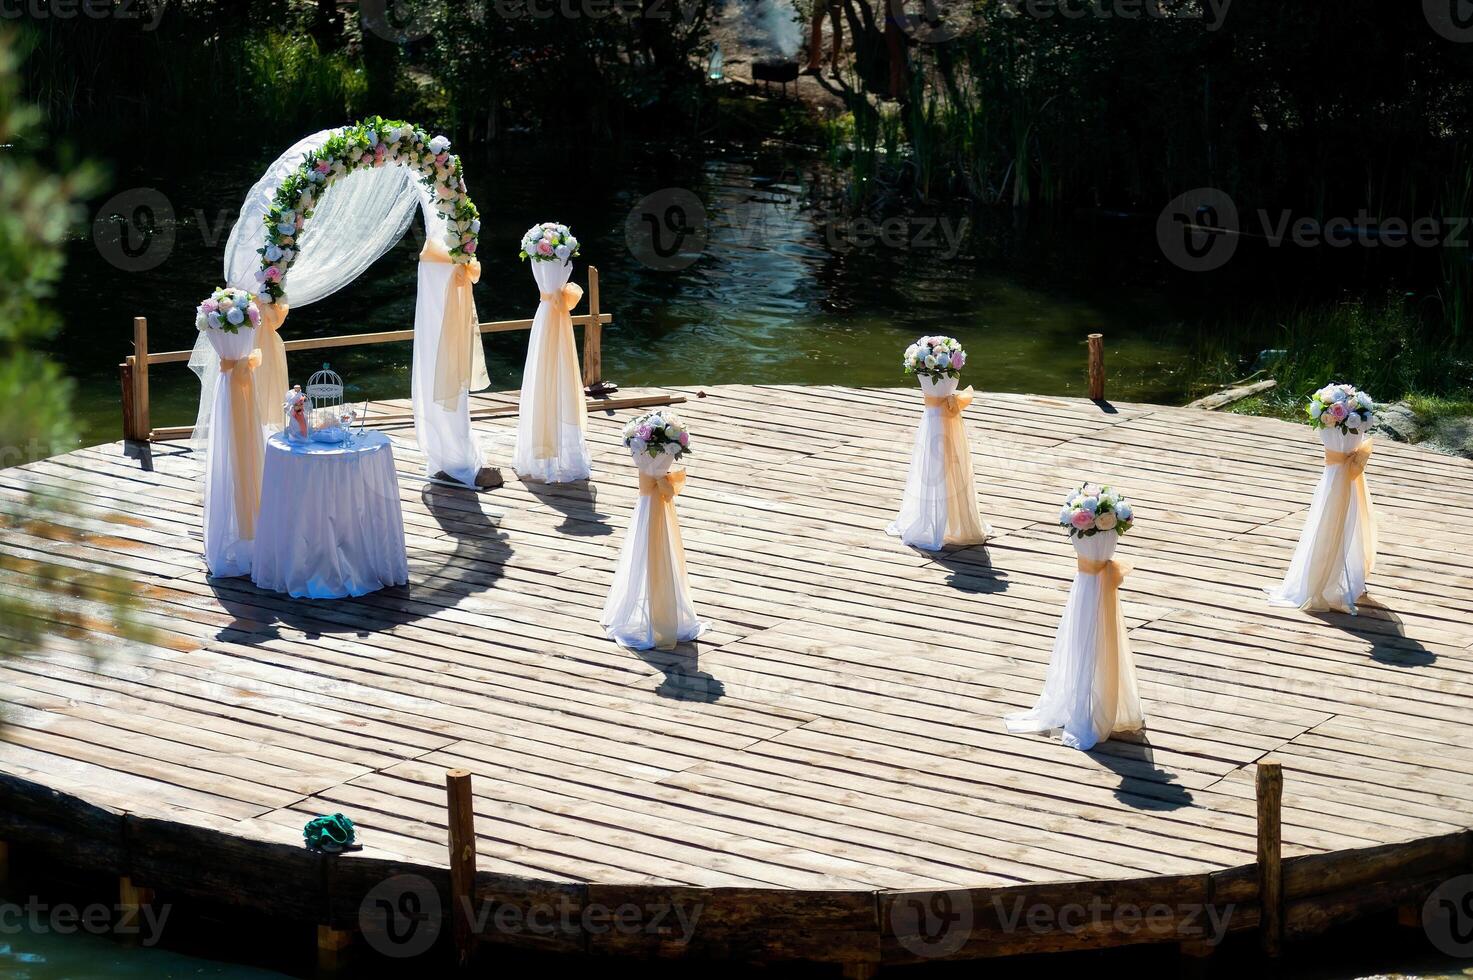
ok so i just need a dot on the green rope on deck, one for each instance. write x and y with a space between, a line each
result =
333 834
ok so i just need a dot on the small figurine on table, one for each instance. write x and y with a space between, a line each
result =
296 414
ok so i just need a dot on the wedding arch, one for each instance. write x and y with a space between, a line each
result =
325 211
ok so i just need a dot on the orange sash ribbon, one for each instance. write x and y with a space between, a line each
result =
1328 558
964 524
455 356
667 577
1112 669
271 378
557 358
246 448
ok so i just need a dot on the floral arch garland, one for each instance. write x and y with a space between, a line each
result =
373 142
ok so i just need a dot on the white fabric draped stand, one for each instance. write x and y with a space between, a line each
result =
357 220
1335 552
331 524
925 511
444 433
1084 696
229 533
626 616
552 390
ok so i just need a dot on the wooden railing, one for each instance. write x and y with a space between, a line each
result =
134 369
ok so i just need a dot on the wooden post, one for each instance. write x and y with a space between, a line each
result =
462 860
130 402
593 363
1270 856
140 378
1097 367
332 948
131 900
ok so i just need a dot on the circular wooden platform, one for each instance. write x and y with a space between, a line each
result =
833 752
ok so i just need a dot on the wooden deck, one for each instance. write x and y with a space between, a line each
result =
839 732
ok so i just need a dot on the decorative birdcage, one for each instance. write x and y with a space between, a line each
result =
330 415
324 390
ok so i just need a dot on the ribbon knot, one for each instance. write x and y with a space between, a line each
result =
1355 461
667 487
951 405
250 362
457 364
1113 570
567 297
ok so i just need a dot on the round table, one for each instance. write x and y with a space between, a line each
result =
330 523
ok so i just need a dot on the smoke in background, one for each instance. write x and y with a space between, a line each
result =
769 27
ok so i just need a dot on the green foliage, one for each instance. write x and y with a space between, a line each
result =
37 207
1393 348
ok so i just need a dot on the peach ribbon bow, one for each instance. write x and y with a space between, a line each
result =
557 404
667 577
246 448
1114 678
964 523
271 376
455 357
1328 558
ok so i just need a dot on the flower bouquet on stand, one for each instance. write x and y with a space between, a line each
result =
649 603
1090 690
553 414
1337 548
940 502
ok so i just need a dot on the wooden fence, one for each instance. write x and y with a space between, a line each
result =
134 371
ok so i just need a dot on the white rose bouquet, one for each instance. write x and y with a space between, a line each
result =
656 433
1094 508
1341 405
935 358
227 309
547 242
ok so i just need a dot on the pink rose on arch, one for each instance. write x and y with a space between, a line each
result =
441 158
273 274
469 248
1082 520
209 306
323 166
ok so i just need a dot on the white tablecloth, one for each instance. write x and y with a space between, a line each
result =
330 522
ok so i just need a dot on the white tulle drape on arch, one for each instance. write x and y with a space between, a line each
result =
354 223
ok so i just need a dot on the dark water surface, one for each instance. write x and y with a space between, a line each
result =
777 295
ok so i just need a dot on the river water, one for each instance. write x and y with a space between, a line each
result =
773 292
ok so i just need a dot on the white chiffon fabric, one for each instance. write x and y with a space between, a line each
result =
572 460
626 615
923 510
227 552
1349 584
354 223
444 434
1069 703
331 525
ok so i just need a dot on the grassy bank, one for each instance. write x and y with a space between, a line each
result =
1398 348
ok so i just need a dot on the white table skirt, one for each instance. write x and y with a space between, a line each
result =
330 522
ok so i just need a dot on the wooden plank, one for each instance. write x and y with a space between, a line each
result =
1270 860
462 844
1231 396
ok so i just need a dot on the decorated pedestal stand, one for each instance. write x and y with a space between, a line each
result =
940 503
1337 548
1090 690
551 445
649 604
